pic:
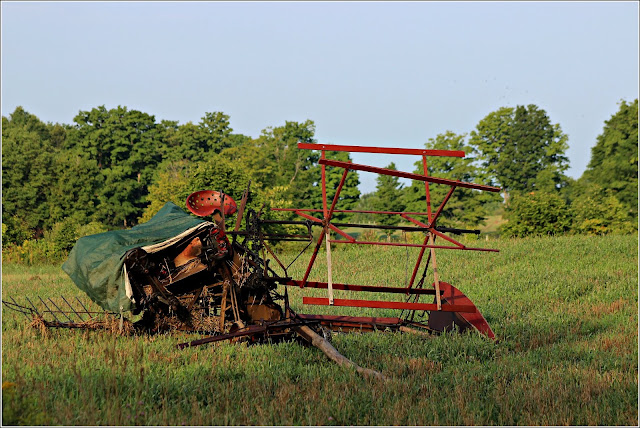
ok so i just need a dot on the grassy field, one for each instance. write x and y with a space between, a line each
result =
565 311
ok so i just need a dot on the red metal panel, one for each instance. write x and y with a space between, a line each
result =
353 287
388 150
402 174
387 305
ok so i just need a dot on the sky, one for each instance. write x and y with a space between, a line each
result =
391 74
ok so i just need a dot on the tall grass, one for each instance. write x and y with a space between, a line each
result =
565 311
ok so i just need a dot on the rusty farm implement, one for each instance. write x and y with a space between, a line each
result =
185 273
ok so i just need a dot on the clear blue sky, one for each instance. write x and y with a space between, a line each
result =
367 73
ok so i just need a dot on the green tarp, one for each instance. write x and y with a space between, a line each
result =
95 263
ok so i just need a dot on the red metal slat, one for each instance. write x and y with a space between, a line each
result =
344 318
353 287
387 305
311 210
400 244
387 150
411 176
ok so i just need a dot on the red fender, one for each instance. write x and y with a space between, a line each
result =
442 321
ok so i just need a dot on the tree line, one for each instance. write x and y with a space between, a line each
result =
114 168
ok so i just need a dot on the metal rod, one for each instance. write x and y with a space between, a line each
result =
353 287
379 304
409 175
50 311
58 308
387 150
65 300
441 207
34 306
399 244
16 303
426 186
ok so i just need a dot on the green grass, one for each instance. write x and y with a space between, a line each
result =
565 310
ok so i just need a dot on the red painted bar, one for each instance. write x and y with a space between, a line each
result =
387 150
353 287
399 244
317 220
411 176
344 318
312 210
387 305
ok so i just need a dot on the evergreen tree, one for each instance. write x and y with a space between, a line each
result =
389 197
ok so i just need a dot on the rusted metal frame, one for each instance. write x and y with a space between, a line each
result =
426 186
386 150
441 207
380 304
275 257
399 244
243 204
434 231
409 175
354 287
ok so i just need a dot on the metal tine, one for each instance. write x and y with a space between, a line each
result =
61 311
16 304
34 306
50 311
74 311
85 309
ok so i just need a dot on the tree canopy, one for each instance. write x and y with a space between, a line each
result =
521 150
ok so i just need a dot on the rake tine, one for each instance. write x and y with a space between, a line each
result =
34 306
16 304
74 311
85 309
61 311
50 311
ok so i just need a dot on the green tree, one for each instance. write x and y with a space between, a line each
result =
598 212
614 158
127 147
537 213
275 160
521 150
465 208
388 197
27 163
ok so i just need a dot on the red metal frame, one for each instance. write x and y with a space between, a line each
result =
463 306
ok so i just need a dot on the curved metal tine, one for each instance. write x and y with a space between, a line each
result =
74 311
49 310
85 309
61 311
22 309
34 306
